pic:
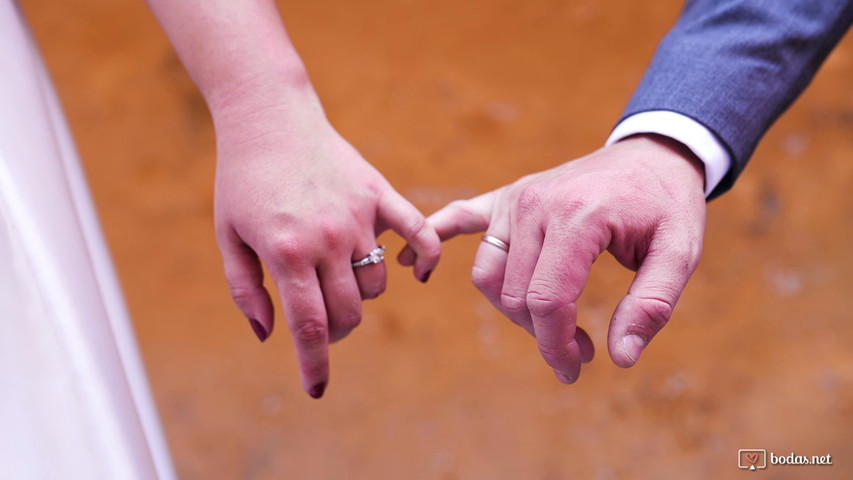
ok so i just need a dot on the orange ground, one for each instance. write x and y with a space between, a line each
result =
450 99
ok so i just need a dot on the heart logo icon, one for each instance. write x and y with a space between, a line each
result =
752 457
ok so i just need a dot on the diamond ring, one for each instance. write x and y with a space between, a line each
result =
375 256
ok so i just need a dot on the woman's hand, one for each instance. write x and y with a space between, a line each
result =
293 194
290 192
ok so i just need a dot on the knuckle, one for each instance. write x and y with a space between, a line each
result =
414 226
657 310
542 303
583 205
530 198
287 250
331 235
512 303
311 331
586 209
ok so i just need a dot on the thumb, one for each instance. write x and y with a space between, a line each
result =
648 306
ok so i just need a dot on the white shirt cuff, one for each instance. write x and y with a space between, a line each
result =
691 133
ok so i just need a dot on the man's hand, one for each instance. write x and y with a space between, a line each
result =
641 199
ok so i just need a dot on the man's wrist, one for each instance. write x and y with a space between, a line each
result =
696 170
715 159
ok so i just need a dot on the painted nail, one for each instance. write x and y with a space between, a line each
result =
425 276
317 390
633 346
258 329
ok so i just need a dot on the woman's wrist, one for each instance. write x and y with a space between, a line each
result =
238 54
253 93
270 105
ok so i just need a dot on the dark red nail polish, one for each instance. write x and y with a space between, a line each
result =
426 276
317 390
259 329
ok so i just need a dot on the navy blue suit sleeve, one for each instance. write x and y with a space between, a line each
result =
736 65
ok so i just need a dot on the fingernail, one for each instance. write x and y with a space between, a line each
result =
633 346
259 329
317 390
425 276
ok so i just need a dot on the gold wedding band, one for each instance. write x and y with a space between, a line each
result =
496 242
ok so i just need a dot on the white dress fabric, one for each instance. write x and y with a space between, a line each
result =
74 399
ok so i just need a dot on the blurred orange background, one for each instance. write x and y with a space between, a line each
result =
451 99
